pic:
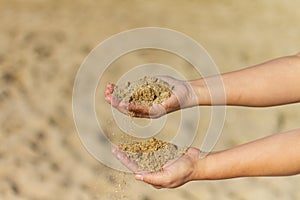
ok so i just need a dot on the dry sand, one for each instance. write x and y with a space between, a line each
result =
43 43
151 154
145 91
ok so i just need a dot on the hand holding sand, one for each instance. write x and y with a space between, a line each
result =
275 155
181 95
174 173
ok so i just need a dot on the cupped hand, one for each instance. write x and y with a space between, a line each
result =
174 174
182 96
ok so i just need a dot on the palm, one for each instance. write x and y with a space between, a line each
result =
174 174
182 97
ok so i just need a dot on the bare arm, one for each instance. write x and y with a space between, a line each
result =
271 83
276 155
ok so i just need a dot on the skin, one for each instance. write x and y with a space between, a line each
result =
275 82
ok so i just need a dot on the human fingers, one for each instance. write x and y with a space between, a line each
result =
157 110
123 107
138 111
171 104
123 158
115 102
137 177
109 88
154 112
157 187
108 92
160 179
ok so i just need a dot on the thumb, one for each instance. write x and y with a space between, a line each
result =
154 178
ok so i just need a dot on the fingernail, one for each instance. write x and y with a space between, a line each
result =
113 150
139 177
119 156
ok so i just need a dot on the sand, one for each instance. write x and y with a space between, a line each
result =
144 91
42 45
152 154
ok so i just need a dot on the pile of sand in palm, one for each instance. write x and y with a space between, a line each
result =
145 91
152 154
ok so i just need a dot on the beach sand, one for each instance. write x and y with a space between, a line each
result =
42 45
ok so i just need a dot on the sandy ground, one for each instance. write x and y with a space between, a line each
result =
43 43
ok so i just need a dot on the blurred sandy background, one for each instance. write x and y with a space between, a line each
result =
43 43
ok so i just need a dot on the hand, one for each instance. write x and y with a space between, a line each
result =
174 174
183 96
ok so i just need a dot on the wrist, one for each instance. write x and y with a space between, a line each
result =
200 91
202 168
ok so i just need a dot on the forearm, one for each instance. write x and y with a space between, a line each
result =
276 155
272 83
